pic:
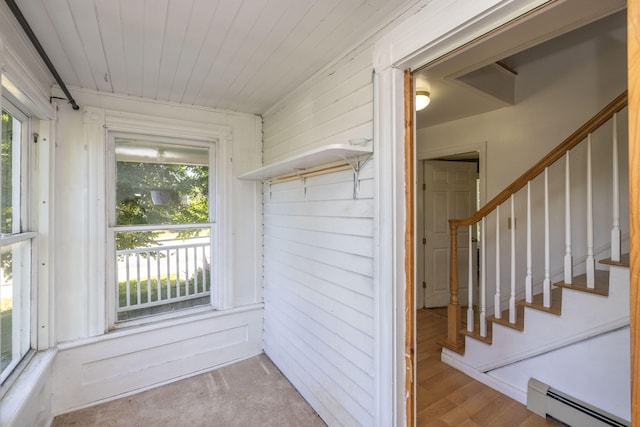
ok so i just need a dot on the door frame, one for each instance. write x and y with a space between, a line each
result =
434 154
437 30
422 242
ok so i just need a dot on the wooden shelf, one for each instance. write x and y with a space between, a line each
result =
302 162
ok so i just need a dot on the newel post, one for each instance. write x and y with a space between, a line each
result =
455 339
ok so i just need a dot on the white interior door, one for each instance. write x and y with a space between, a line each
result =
450 192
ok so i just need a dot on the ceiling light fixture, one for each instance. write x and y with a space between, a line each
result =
422 99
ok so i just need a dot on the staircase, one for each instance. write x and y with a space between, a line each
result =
567 276
570 319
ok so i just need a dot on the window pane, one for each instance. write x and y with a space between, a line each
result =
162 270
10 175
14 303
160 183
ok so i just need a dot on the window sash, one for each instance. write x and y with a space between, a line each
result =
132 282
19 243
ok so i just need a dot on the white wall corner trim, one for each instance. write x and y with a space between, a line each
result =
389 274
95 217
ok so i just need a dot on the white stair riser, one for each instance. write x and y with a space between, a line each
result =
583 315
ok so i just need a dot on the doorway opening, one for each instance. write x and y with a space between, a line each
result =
469 122
449 186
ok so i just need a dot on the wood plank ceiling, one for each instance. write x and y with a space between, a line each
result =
241 55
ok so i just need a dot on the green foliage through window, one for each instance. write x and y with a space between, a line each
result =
156 193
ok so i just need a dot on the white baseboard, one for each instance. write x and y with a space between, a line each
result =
494 383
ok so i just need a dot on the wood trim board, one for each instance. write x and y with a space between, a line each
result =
633 75
409 241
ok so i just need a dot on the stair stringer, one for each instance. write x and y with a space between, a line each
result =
584 315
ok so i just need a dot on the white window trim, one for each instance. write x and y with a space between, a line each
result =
97 124
113 228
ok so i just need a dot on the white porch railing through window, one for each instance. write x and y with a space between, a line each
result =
163 275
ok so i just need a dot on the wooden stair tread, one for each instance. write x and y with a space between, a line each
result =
537 302
476 333
476 326
504 320
580 283
624 261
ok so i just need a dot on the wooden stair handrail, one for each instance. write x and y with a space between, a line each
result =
454 340
574 139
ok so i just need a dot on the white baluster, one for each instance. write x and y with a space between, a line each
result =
168 275
590 262
546 283
158 272
512 296
186 271
568 257
148 255
615 231
470 281
528 282
128 285
138 287
496 300
195 269
483 281
178 272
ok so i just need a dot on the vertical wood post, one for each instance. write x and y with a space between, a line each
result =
455 340
409 247
633 61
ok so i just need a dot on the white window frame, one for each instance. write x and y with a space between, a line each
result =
21 233
113 228
98 125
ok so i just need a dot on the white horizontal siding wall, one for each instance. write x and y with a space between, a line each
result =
337 108
318 247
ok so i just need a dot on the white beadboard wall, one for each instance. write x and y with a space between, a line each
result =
318 247
318 329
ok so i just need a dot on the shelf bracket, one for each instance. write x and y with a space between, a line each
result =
357 167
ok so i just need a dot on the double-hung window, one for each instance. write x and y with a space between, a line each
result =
15 241
161 224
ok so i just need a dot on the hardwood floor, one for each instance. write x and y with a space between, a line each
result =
447 397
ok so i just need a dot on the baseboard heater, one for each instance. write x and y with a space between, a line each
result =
548 402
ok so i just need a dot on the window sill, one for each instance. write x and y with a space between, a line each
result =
29 377
154 323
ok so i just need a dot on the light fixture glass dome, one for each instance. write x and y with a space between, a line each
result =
422 100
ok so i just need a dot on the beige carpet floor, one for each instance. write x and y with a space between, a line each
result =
252 392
